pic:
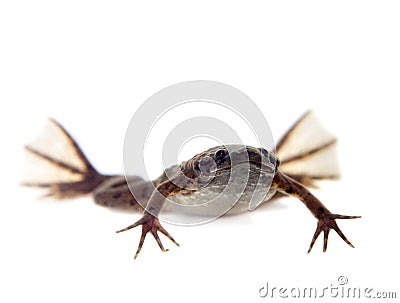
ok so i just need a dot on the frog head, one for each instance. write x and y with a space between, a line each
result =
206 165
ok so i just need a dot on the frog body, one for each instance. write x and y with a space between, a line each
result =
222 180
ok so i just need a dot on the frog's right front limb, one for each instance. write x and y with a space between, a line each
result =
149 221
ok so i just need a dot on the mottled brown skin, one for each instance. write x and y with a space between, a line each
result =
149 196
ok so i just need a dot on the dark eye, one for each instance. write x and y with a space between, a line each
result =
197 168
220 154
264 152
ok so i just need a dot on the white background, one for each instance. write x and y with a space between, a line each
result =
90 64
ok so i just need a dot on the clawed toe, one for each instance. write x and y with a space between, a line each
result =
149 224
325 224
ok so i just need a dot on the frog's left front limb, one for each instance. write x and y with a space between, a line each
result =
326 220
149 221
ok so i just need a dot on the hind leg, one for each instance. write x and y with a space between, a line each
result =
82 181
57 163
116 193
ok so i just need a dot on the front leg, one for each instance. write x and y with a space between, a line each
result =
149 221
326 220
149 224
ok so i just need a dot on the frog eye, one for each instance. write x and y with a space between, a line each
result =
264 152
220 154
197 168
